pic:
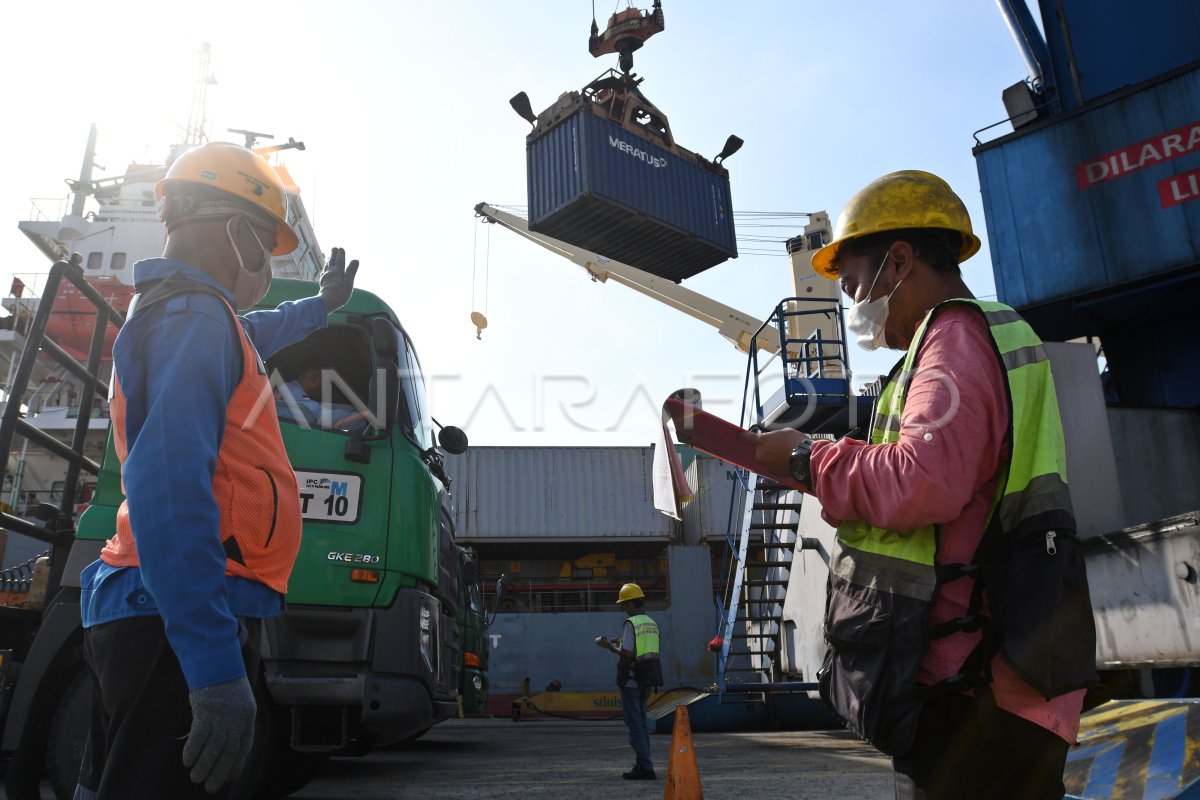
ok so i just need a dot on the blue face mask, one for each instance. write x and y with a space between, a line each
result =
867 318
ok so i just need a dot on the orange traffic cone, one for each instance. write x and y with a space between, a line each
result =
683 777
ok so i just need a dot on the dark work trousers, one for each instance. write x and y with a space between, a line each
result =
140 715
953 759
633 709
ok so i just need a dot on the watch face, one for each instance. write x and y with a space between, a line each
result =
798 465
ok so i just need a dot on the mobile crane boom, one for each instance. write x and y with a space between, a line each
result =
736 326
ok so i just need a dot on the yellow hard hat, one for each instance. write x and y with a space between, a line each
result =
239 172
630 591
906 199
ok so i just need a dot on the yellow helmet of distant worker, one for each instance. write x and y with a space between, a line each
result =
630 591
899 200
239 172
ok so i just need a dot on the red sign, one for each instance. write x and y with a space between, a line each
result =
1179 188
1156 150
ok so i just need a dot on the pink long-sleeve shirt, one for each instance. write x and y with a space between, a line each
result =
943 471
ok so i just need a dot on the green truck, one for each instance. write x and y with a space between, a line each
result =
384 635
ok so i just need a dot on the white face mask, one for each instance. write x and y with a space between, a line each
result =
251 285
866 319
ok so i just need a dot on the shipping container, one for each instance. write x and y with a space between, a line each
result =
556 495
615 191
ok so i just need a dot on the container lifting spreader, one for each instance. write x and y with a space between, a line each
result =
627 31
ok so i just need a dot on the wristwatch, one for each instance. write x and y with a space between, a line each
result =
799 465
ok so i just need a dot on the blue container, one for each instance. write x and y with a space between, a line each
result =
615 192
1093 220
1097 202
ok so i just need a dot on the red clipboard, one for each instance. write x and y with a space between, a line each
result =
713 435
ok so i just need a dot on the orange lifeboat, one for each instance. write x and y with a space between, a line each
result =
73 320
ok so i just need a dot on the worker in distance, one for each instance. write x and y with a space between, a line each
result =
639 673
959 624
210 527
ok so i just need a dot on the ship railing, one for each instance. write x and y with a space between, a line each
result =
58 206
59 530
31 500
543 596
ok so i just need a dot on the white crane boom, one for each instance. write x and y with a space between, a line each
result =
732 324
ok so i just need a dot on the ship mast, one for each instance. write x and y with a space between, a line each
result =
198 119
82 189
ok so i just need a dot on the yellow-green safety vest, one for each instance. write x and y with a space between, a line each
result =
645 634
882 583
645 667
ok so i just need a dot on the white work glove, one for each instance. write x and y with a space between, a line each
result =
222 732
337 280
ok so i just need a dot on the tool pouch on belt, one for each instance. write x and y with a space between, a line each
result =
869 676
648 672
1038 596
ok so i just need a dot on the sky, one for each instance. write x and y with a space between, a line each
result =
404 111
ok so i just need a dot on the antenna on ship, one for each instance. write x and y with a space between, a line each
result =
290 144
252 137
198 118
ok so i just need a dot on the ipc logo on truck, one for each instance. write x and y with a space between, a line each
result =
329 497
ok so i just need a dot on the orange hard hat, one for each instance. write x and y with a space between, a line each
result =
242 173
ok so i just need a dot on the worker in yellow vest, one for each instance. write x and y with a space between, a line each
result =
639 672
959 625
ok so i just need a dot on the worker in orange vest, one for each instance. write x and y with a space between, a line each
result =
210 527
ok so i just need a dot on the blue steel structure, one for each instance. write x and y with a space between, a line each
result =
1091 203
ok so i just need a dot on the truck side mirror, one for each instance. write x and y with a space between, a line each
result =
453 440
386 340
501 591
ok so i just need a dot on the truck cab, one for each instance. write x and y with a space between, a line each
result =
370 650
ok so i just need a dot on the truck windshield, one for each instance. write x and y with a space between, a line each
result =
418 424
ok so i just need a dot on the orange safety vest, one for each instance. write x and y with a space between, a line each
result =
254 485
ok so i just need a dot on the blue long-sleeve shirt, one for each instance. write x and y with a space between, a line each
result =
178 362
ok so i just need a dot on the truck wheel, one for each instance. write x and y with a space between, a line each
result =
68 734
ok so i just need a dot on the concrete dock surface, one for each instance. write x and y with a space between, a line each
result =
499 759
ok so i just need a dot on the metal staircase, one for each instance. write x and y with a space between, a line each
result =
762 535
754 609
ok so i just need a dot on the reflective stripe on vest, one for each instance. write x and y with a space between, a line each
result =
645 634
1033 483
253 485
